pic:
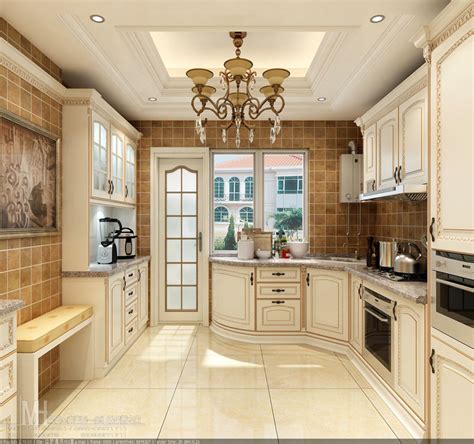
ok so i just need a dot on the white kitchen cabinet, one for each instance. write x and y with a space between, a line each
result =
143 294
278 315
100 186
117 165
327 309
370 159
387 150
452 142
409 342
130 171
233 296
116 315
413 139
356 314
452 388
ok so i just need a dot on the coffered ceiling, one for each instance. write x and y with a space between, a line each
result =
144 47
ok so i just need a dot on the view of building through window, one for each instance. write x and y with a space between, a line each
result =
281 205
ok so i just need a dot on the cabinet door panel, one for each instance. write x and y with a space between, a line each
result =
100 146
278 317
116 316
143 295
117 165
355 309
233 296
370 159
387 149
414 139
327 304
130 172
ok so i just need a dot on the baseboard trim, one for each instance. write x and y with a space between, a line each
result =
412 423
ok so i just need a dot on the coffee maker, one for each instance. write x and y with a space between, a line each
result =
107 251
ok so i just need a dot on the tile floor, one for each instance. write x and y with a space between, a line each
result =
185 382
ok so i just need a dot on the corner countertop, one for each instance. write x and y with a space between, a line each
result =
413 291
10 305
105 270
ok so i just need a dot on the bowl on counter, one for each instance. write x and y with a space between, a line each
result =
264 254
298 250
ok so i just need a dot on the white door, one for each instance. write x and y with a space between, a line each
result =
370 159
180 242
387 150
116 315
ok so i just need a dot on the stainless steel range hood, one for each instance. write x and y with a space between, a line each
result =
406 192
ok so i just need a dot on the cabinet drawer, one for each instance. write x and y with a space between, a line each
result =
278 315
131 276
131 312
8 422
131 294
278 274
131 331
7 377
272 291
7 334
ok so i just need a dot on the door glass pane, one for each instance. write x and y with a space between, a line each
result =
189 204
189 227
189 298
173 250
181 240
189 274
173 298
173 202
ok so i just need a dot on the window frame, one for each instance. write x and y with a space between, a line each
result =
258 190
222 181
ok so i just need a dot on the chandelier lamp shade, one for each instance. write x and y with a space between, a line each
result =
238 106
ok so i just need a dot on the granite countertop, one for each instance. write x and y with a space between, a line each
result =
413 291
10 305
105 270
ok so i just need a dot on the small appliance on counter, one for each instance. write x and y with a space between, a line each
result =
245 249
126 243
387 252
407 264
107 250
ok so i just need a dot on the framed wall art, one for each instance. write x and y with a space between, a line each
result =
29 178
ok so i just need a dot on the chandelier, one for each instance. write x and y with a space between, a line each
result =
238 103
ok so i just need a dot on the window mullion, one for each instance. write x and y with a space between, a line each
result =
259 178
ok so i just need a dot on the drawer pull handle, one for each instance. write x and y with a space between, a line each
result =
130 293
278 302
278 290
278 274
130 311
130 275
130 329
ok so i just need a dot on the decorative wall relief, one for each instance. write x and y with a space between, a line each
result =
29 178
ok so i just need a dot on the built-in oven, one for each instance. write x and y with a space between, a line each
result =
452 305
378 333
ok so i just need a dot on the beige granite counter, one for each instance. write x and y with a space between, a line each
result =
413 291
10 305
105 270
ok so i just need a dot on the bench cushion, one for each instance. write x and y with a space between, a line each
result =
39 332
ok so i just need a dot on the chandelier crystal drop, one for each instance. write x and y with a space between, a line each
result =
238 106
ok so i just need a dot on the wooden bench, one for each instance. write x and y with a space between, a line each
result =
70 327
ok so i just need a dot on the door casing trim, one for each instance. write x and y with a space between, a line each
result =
178 153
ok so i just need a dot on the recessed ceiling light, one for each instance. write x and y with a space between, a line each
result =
377 18
321 99
152 99
97 18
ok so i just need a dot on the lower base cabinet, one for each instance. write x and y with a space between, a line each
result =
452 388
278 315
356 307
8 420
327 309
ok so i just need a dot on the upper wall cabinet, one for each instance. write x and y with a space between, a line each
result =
396 136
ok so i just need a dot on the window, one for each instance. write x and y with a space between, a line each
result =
273 189
246 214
221 214
219 188
290 185
234 189
249 188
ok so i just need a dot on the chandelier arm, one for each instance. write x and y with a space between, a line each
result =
253 105
270 102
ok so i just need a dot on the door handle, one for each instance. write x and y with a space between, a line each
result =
200 241
251 278
375 315
307 279
394 311
113 187
432 229
399 174
360 290
395 175
126 190
124 283
373 185
109 191
431 360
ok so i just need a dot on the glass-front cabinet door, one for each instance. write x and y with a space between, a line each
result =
117 165
100 186
130 172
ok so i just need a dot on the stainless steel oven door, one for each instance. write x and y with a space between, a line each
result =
378 332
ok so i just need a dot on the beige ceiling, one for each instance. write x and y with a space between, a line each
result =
183 50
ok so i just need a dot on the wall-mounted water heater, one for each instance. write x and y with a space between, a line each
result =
350 175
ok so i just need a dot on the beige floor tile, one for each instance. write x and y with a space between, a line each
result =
112 413
219 413
203 343
356 374
158 349
306 371
292 348
214 370
323 413
137 372
64 384
397 427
